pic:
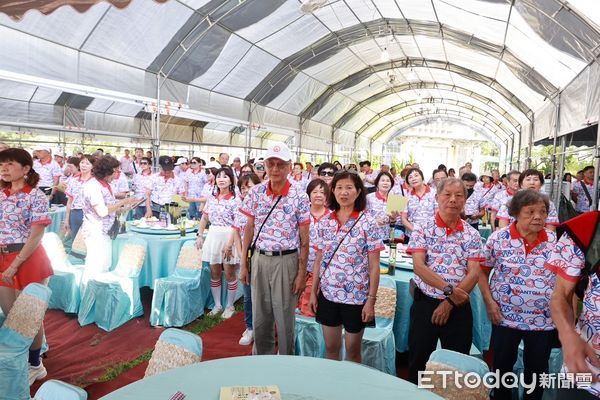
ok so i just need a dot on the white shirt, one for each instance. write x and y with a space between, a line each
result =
47 171
164 188
127 164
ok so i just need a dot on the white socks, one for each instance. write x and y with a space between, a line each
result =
231 290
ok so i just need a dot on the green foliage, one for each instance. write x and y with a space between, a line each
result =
541 158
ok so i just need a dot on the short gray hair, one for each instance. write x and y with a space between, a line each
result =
524 198
452 181
513 172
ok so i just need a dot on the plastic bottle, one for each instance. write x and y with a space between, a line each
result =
163 217
392 260
182 220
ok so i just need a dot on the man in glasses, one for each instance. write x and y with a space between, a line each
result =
281 253
326 172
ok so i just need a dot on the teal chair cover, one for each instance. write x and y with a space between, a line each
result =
210 302
112 298
57 390
378 344
554 367
66 281
180 298
447 360
16 335
175 348
309 339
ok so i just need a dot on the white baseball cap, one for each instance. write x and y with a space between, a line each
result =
213 164
43 147
181 160
279 150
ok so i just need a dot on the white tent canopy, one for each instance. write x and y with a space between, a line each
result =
322 74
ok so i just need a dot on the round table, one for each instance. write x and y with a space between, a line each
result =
297 378
161 254
57 217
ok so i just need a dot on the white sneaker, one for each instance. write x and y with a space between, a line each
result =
247 338
37 373
215 311
228 313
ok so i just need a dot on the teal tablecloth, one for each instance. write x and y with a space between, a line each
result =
482 327
57 217
161 254
485 232
296 377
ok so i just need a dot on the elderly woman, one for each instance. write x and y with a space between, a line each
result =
529 179
345 289
421 201
517 296
99 212
446 253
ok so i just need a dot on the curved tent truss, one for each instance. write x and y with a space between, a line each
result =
314 73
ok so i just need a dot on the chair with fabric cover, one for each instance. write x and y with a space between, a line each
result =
378 343
175 348
78 249
58 390
309 340
16 335
179 298
448 360
66 281
112 298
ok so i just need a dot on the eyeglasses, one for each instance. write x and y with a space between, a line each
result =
194 162
327 173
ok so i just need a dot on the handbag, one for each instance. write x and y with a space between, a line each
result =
253 246
114 229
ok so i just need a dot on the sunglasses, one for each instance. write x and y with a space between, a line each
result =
260 168
194 162
326 173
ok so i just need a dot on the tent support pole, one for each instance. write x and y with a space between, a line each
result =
332 141
519 151
529 143
553 178
512 150
156 126
561 169
248 134
596 169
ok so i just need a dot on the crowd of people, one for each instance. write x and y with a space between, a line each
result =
307 238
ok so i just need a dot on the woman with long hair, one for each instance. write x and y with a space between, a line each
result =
220 211
195 180
23 218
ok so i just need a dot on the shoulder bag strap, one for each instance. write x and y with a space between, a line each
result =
342 241
587 193
263 224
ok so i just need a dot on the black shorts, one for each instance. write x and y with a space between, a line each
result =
336 314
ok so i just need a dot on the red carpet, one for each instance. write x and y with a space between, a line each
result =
219 342
79 355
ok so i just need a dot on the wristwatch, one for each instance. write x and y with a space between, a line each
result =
448 290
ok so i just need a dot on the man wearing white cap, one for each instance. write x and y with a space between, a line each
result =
278 221
181 167
48 169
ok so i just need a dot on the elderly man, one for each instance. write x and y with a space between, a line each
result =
278 222
224 159
583 191
48 169
446 253
127 163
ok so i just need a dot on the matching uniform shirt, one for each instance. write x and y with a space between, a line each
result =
19 211
119 184
97 194
345 279
447 251
376 208
195 182
47 171
421 210
552 219
221 210
520 284
314 238
140 184
583 204
164 187
75 192
568 261
281 230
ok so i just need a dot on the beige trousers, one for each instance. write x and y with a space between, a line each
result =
273 302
